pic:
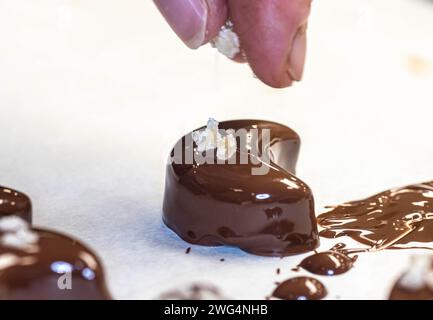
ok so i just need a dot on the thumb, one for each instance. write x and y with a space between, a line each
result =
273 36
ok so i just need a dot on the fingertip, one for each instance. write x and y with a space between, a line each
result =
217 17
273 36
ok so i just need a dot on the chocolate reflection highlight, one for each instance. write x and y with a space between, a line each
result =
38 264
15 203
396 218
300 288
329 263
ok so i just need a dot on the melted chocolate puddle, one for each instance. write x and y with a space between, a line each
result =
329 263
300 288
396 218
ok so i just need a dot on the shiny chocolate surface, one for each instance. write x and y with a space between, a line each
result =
300 288
397 218
54 266
224 204
16 203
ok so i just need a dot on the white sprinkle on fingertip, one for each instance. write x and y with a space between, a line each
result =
227 41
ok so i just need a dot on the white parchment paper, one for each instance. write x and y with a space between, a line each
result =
93 94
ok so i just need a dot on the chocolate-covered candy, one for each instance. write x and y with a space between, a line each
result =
416 283
42 264
218 203
399 292
16 203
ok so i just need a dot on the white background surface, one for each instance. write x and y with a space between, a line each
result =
93 94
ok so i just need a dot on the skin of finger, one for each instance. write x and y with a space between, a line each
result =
266 29
217 17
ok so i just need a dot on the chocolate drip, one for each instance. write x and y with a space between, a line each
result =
300 288
34 273
224 204
395 218
329 263
13 202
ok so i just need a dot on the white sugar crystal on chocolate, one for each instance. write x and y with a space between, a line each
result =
211 138
226 147
12 224
7 260
16 233
207 139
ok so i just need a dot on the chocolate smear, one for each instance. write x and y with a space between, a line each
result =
396 218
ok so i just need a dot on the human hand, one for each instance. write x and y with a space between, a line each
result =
272 33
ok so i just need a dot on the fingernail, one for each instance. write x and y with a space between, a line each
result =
187 18
297 54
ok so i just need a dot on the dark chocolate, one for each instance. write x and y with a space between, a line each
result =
329 263
396 218
54 267
224 204
300 288
401 293
15 203
416 283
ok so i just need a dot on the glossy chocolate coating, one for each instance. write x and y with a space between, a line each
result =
33 274
328 263
416 283
13 202
224 204
300 288
394 218
400 293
